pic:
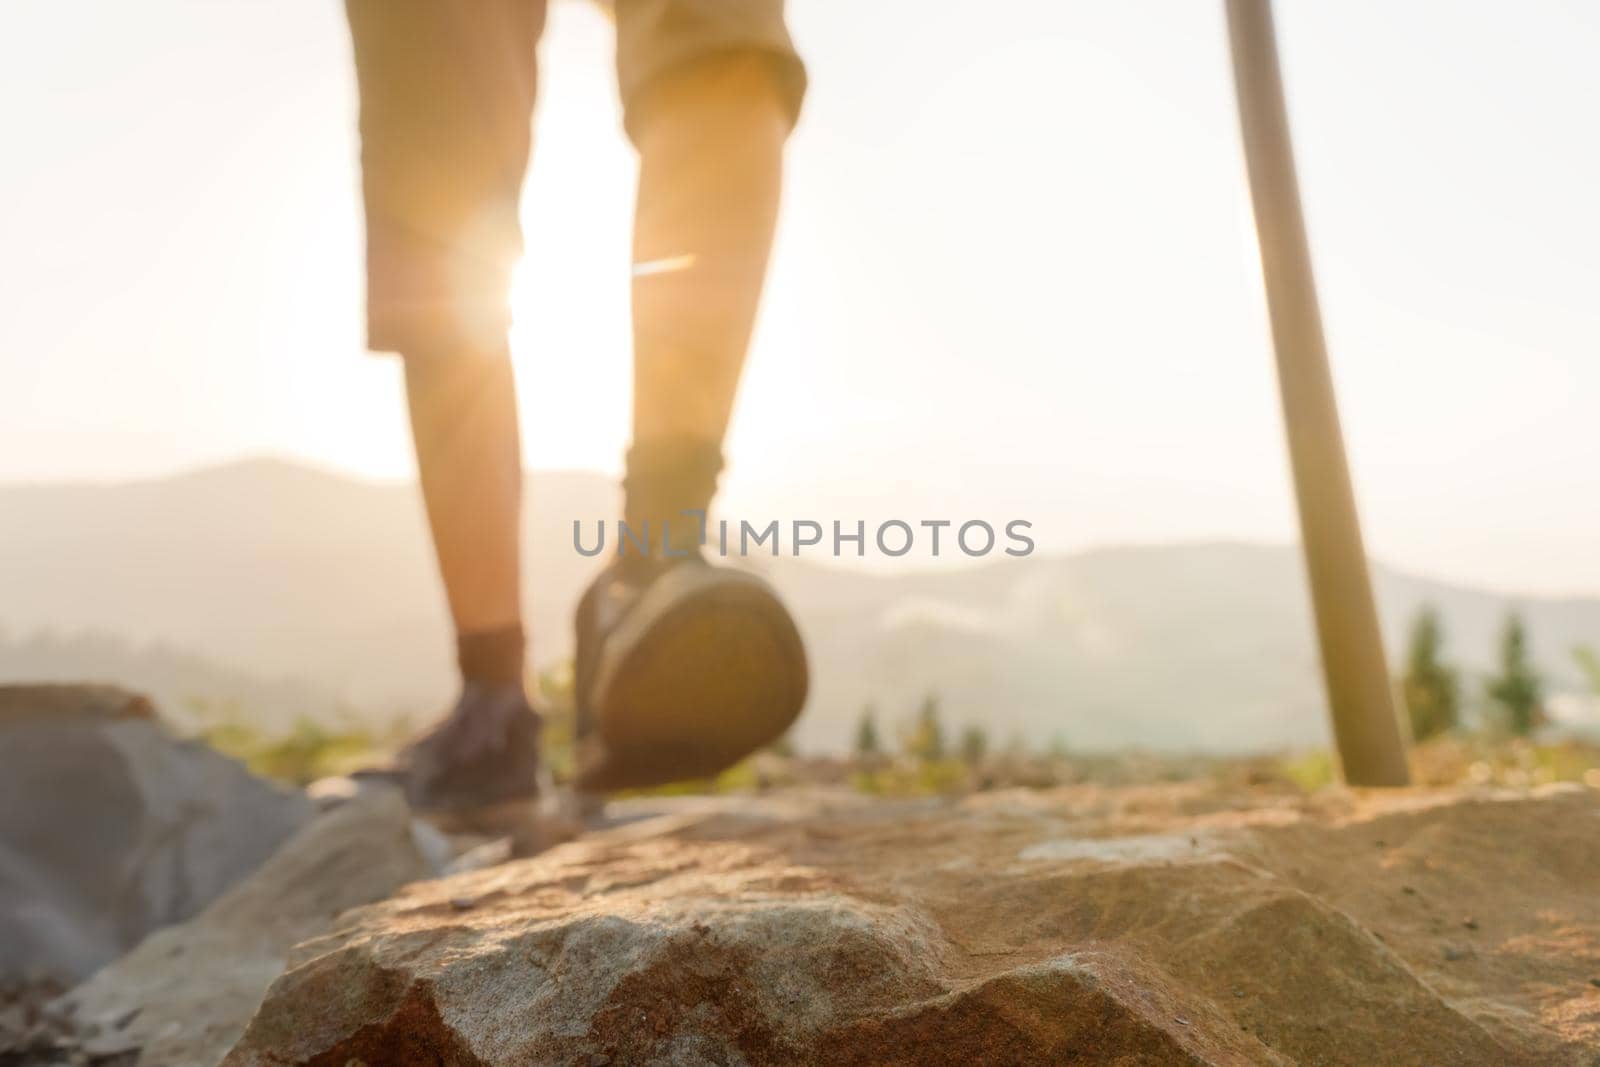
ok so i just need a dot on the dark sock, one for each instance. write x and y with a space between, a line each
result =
492 657
666 477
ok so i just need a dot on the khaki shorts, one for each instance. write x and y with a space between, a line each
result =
447 90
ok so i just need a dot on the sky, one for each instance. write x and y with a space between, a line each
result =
1015 275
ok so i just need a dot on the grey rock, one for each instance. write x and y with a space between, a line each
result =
187 991
110 827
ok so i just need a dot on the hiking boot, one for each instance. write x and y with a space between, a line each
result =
484 753
682 669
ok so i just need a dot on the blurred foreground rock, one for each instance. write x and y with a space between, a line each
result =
111 828
185 994
1170 924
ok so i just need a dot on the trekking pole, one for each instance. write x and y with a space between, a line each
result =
1367 730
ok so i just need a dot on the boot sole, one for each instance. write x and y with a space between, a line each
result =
707 668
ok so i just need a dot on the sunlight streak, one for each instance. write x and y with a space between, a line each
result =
663 266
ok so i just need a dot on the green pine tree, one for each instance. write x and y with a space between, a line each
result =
1517 689
1431 688
927 738
974 745
868 745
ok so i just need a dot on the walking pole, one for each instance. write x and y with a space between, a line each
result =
1365 726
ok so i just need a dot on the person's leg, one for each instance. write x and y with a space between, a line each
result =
464 425
446 102
682 670
710 94
710 137
469 461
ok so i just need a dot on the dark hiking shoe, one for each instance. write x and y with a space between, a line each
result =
484 753
682 670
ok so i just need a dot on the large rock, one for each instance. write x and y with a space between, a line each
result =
110 828
1159 925
185 994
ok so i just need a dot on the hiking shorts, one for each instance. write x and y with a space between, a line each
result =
447 90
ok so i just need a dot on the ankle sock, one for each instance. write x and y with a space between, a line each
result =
665 477
492 657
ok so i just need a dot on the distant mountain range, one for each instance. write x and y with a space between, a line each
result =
287 591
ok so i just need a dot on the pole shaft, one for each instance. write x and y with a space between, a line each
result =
1360 698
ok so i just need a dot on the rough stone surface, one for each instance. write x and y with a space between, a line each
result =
184 995
110 827
1172 924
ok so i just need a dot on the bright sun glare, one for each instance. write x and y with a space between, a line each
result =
569 296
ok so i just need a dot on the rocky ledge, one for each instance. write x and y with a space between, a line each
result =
1171 924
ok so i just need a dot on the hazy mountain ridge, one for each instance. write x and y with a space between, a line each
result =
296 591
